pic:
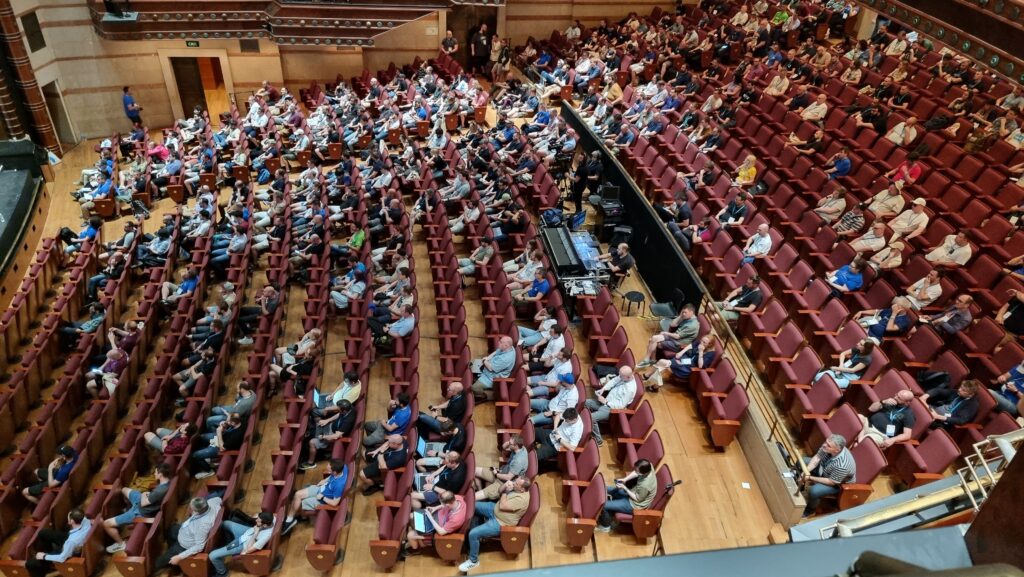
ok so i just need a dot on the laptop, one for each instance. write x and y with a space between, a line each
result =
419 521
316 398
421 447
418 481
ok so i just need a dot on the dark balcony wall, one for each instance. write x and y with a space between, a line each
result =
978 23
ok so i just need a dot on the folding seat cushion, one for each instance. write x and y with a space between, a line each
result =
924 463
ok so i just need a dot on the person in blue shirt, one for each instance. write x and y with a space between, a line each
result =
376 432
53 475
1009 390
131 109
891 321
847 278
542 60
66 543
171 293
839 165
540 121
163 177
329 492
538 289
774 57
72 243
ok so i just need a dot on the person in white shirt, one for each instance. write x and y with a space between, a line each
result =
912 222
550 411
816 111
898 46
566 436
573 31
888 202
926 290
758 245
542 355
904 133
244 540
954 251
616 394
871 241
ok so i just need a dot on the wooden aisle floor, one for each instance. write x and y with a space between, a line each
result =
718 506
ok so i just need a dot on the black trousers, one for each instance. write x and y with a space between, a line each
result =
173 548
47 541
545 450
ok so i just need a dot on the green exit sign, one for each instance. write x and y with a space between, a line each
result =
192 43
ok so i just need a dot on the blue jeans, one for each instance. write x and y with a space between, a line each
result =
199 457
618 502
427 422
817 491
529 337
217 416
747 260
489 529
231 549
95 282
540 405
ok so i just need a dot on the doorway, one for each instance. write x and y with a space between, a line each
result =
200 82
59 115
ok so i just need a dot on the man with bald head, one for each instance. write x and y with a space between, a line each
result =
616 393
497 365
890 421
393 454
452 410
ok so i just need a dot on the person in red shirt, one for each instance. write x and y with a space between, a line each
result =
908 172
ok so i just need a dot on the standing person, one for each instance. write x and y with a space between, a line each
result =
479 50
69 542
449 45
131 108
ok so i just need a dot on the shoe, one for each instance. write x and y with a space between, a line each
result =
288 526
179 402
245 341
372 489
644 364
116 548
204 475
602 529
468 566
307 466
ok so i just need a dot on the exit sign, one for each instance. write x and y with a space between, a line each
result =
192 43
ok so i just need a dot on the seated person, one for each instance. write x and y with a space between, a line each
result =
634 492
549 411
400 415
890 321
171 441
743 299
53 476
565 437
245 540
489 480
229 436
56 546
538 289
832 466
952 407
616 393
329 491
954 319
449 477
141 505
851 364
452 410
446 516
1007 390
696 355
330 428
847 278
890 421
392 454
497 365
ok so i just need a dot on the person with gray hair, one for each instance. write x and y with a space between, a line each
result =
189 537
832 466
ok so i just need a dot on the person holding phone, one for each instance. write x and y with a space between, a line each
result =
632 492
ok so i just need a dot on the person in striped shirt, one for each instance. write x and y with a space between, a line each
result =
832 466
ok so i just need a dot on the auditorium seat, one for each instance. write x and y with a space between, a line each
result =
917 465
583 508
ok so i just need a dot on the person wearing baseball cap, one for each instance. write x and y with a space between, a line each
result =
53 475
549 411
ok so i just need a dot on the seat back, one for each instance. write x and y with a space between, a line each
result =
593 498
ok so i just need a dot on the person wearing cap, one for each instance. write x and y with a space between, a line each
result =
189 537
245 540
53 475
911 222
550 411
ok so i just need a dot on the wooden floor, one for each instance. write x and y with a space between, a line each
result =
718 505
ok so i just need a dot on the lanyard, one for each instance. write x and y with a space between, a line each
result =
955 404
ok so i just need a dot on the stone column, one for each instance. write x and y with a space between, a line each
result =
9 110
25 79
